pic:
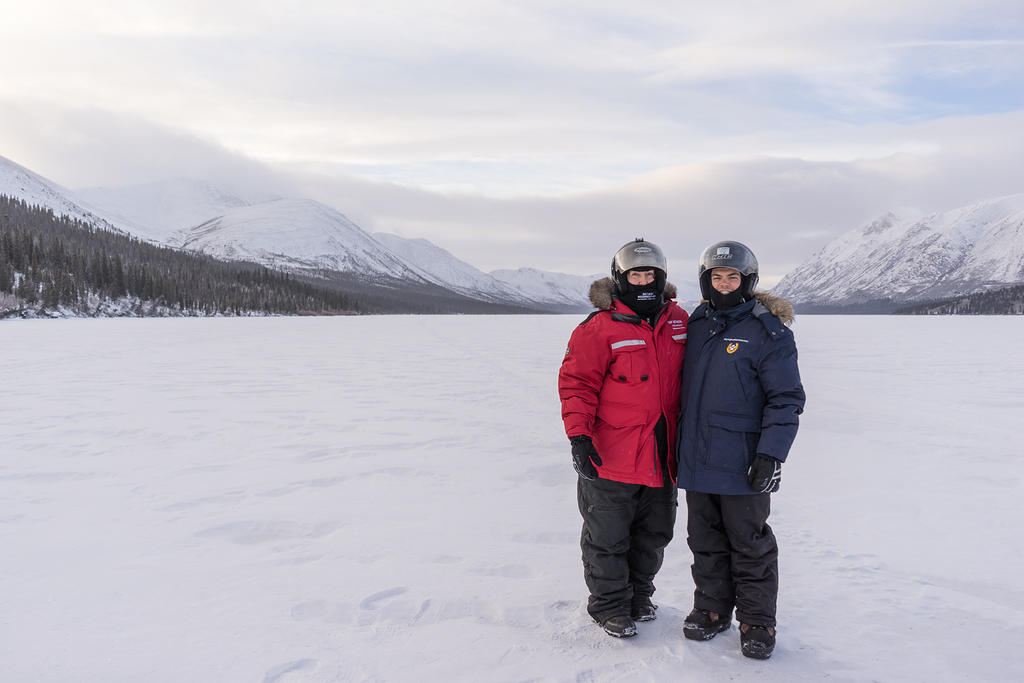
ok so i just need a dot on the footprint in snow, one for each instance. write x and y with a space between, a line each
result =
280 673
370 602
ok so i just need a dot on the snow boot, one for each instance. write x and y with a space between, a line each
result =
619 627
644 612
757 642
702 624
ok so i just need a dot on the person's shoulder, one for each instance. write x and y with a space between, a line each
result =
675 316
593 314
701 312
775 314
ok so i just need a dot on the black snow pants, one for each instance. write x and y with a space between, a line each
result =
735 555
625 530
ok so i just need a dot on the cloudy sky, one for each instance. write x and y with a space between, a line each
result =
534 133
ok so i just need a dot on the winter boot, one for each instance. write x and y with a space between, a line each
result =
757 642
702 624
644 612
619 627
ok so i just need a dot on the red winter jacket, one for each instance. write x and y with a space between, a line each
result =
618 378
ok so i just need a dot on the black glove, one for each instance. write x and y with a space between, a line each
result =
765 474
584 457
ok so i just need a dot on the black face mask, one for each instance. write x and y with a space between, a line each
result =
720 301
642 299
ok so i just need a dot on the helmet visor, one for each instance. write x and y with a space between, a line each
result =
639 255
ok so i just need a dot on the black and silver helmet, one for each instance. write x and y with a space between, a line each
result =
639 254
728 254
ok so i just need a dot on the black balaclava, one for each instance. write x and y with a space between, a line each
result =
721 302
644 300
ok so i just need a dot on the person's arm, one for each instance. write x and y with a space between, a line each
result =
580 379
784 398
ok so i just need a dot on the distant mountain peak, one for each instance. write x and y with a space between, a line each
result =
881 224
293 234
160 209
905 257
528 287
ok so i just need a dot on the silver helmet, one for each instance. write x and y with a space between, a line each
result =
638 254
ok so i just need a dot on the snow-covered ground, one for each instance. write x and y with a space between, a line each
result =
390 499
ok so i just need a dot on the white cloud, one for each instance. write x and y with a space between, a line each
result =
87 147
534 133
564 86
784 208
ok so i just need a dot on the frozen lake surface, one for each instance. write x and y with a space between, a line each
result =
391 499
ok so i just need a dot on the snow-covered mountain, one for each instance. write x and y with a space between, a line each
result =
547 287
294 234
160 209
527 285
440 267
302 234
17 181
906 258
242 223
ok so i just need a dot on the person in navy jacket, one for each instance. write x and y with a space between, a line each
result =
619 385
739 407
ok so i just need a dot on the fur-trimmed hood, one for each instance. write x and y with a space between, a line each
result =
601 292
776 305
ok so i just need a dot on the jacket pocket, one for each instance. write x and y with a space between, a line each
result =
621 414
617 437
732 441
630 363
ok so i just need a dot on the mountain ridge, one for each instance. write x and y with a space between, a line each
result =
22 183
905 257
295 234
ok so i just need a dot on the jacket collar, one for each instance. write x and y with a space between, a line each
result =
767 303
602 294
774 312
623 313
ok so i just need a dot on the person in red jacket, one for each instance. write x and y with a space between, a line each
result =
619 384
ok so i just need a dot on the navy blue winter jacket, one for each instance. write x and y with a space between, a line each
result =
741 393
